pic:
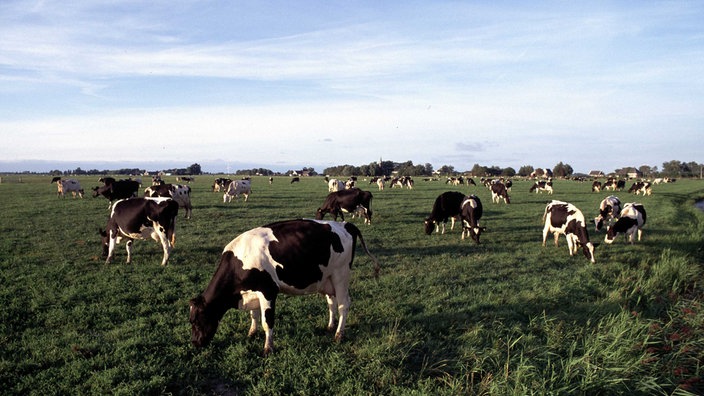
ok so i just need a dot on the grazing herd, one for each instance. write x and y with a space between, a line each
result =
315 256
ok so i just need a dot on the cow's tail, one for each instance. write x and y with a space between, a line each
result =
355 232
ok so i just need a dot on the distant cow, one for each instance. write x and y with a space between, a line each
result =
186 179
641 187
564 218
631 221
471 212
596 186
178 192
346 201
499 191
237 187
295 179
140 218
609 209
120 189
64 186
613 184
292 257
335 185
221 184
446 206
541 186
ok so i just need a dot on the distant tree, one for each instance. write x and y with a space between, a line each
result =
525 170
478 170
194 169
428 169
447 170
508 172
672 168
646 171
562 170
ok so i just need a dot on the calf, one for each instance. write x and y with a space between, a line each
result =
471 212
140 218
541 186
120 189
447 206
292 257
237 187
178 192
499 191
609 209
64 186
631 221
564 218
346 201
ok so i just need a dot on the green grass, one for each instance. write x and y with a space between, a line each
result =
445 317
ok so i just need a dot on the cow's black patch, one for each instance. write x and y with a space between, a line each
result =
303 246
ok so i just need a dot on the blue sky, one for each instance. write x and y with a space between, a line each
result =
282 85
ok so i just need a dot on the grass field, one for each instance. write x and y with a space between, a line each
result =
445 317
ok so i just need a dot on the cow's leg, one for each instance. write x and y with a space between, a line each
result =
571 244
128 247
452 223
255 314
546 230
164 240
111 250
266 308
640 234
556 235
332 303
343 307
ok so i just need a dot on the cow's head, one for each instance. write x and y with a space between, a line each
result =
429 226
598 223
319 214
588 250
475 232
203 326
610 235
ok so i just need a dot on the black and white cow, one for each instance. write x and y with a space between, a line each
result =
346 201
295 179
499 191
292 257
64 186
140 218
180 193
335 185
631 221
596 186
221 184
237 187
609 209
541 186
613 184
120 189
641 187
447 205
564 218
471 212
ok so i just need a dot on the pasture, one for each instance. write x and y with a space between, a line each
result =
445 316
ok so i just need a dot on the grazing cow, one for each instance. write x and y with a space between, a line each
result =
631 221
609 209
186 179
447 205
237 187
499 191
346 201
335 185
64 186
596 186
120 189
541 186
140 218
178 192
221 184
613 184
380 183
641 187
295 179
292 257
564 218
471 212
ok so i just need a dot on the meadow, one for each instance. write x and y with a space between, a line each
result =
445 316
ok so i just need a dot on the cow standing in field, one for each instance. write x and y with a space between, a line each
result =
140 218
609 209
630 222
64 186
178 192
237 187
335 185
221 184
347 201
641 187
447 205
292 257
120 189
471 212
564 218
541 186
498 192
